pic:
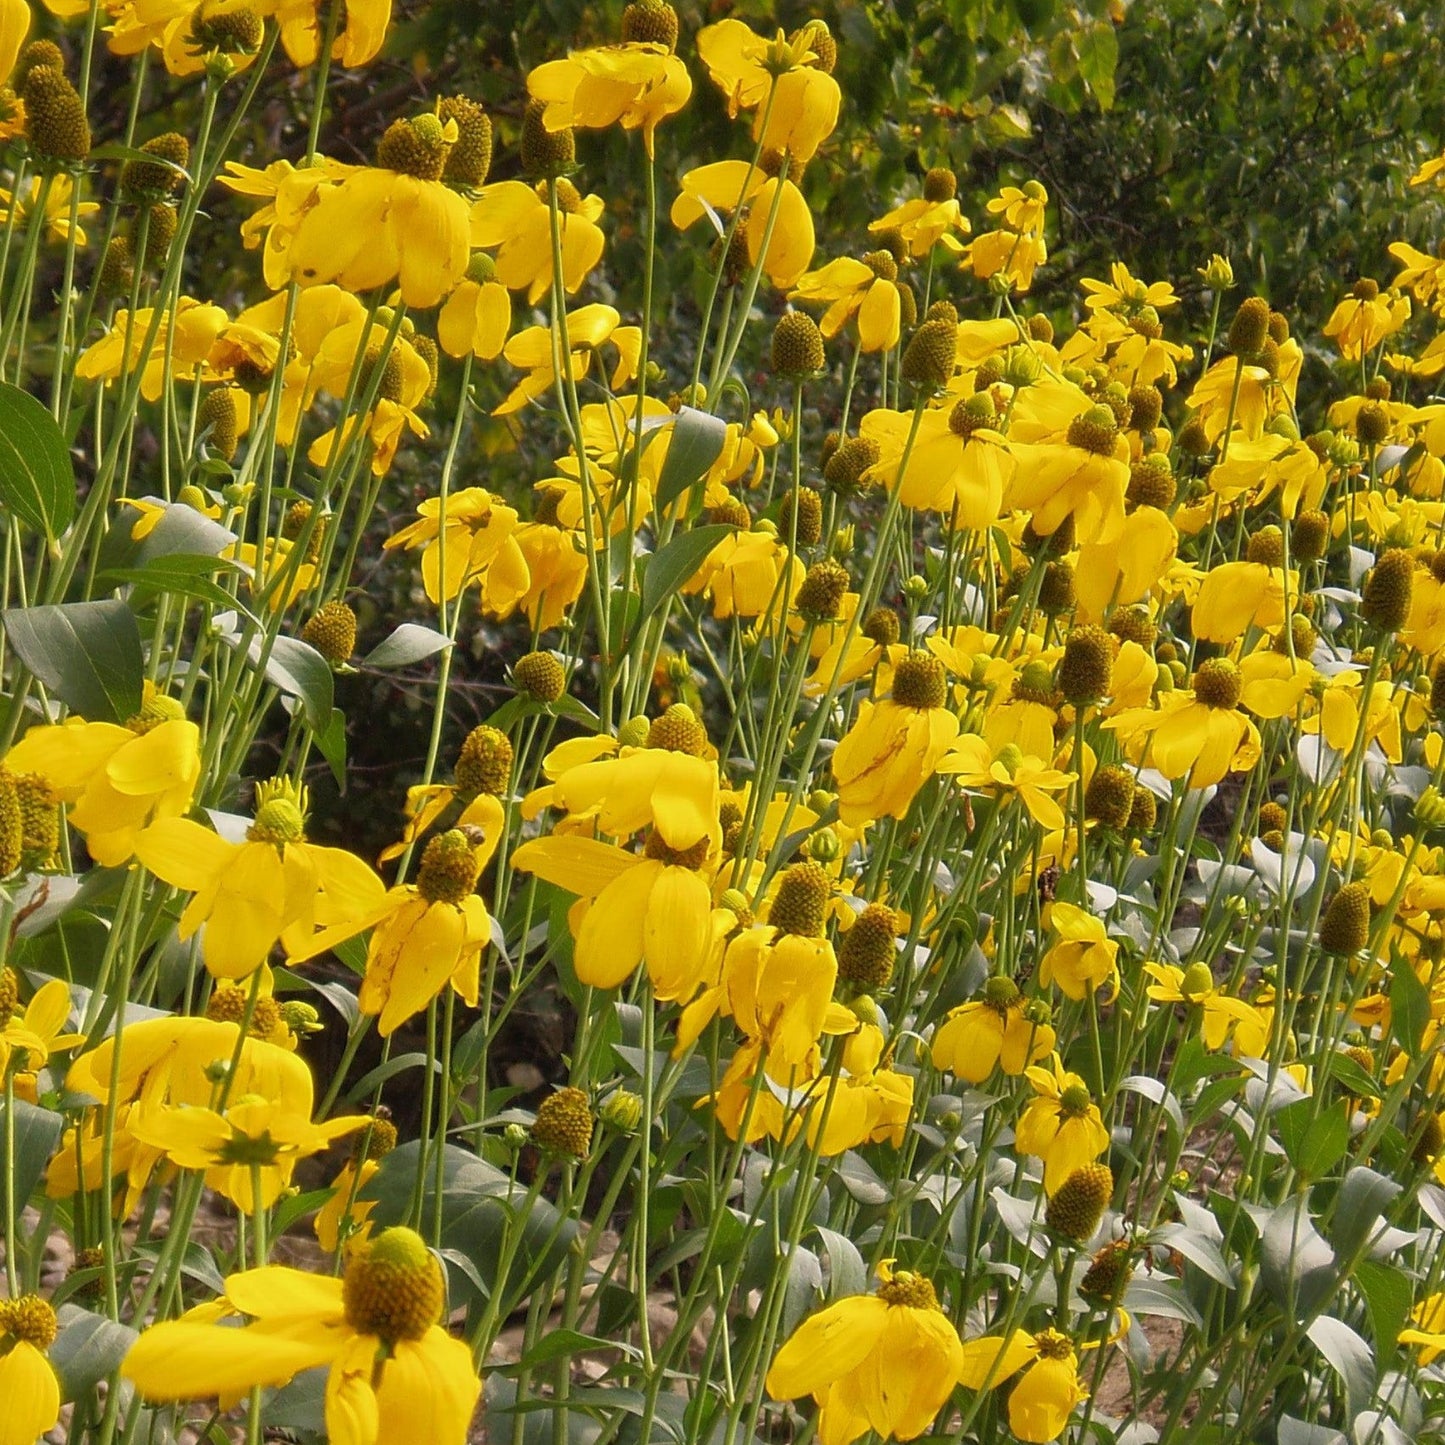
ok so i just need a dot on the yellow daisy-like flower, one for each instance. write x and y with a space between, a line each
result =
476 317
748 574
867 289
1085 476
589 328
885 1362
479 536
276 886
394 1372
959 465
1040 1404
750 69
395 221
1008 770
287 193
515 220
999 1029
1427 1327
28 1383
358 40
1061 1124
57 208
29 1039
726 186
426 935
1365 318
254 1141
1195 986
1125 293
182 345
116 779
895 745
654 909
636 84
1084 958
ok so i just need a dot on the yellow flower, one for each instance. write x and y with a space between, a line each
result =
29 1039
182 344
406 382
556 558
655 909
425 935
1008 770
867 289
1085 477
923 223
727 186
255 1140
998 1029
748 574
382 224
287 193
1006 253
28 1383
1115 574
636 84
1061 1124
1124 293
674 792
476 317
358 40
250 895
1365 318
589 328
479 535
1084 958
57 208
515 220
885 1362
117 779
14 27
778 988
749 69
894 746
959 465
1427 1330
394 1372
1195 986
343 1218
1040 1404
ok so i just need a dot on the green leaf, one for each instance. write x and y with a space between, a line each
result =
669 568
1409 1007
1296 1265
115 151
1313 1146
1098 52
1364 1197
557 1344
331 744
37 1132
697 442
410 643
87 653
182 529
847 1274
180 574
37 481
299 671
1387 1293
1349 1356
88 1348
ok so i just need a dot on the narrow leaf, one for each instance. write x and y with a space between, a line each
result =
37 481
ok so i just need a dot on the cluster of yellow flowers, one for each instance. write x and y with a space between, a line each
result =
948 775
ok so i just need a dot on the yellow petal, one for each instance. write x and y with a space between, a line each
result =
827 1346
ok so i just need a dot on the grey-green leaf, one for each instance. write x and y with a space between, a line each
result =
87 653
697 442
37 481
